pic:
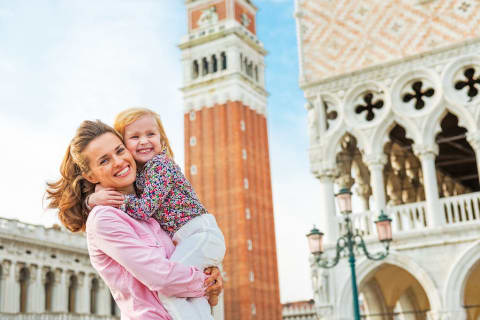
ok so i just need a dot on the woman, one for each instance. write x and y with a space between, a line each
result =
130 255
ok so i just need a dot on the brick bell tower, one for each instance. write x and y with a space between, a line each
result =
226 148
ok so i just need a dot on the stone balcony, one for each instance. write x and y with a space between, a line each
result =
412 218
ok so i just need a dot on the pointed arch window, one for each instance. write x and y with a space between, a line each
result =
195 69
72 293
94 296
204 66
23 280
223 57
49 281
214 63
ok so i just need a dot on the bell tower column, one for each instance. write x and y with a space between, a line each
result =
226 149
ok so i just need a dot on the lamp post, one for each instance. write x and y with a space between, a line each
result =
350 241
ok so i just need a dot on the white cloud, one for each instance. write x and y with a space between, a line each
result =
103 60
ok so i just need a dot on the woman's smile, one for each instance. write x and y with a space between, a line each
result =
110 162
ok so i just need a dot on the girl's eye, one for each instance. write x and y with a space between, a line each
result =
150 134
133 137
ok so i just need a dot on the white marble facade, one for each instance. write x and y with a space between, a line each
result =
354 120
45 273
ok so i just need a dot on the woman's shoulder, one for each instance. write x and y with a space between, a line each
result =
101 216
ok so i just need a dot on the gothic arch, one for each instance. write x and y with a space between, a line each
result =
432 127
366 267
380 135
457 277
330 150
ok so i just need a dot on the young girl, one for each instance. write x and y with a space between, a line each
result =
167 196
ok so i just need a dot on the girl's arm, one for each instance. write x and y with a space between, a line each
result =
159 174
147 263
104 197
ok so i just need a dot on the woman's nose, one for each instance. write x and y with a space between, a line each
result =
117 160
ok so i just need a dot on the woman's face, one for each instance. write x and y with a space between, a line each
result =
110 163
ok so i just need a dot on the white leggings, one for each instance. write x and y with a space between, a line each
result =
201 244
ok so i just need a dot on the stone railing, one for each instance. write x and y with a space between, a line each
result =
408 217
363 222
53 316
38 233
462 209
299 313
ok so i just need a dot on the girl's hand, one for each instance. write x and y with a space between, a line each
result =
214 282
105 197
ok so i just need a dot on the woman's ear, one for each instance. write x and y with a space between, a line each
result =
90 177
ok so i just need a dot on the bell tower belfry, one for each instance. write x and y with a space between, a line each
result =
226 148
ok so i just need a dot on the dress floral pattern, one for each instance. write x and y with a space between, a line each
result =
166 195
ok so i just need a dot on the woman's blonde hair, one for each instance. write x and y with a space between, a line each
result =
127 117
69 192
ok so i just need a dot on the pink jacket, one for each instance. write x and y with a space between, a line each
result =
132 258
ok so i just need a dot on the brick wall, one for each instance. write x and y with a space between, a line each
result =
219 155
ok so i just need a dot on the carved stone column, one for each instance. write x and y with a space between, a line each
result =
328 219
474 139
427 155
344 163
60 292
83 296
104 301
47 281
36 291
313 123
375 164
10 302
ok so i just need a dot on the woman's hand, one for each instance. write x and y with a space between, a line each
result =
214 284
105 197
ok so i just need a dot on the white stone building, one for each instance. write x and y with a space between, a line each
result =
45 273
394 113
299 310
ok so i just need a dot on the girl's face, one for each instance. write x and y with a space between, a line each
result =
110 163
142 139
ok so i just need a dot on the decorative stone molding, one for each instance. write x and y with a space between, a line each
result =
326 175
33 269
459 78
425 150
416 93
375 160
6 266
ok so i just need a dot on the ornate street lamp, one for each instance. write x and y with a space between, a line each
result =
350 241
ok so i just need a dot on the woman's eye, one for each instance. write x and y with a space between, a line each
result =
120 150
102 162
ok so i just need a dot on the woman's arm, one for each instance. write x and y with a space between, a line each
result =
116 237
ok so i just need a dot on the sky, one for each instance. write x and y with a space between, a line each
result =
62 62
